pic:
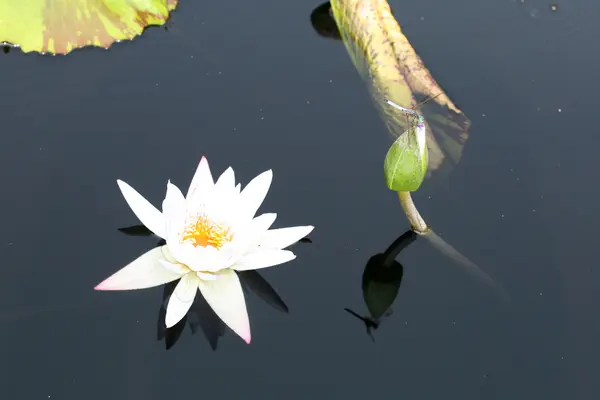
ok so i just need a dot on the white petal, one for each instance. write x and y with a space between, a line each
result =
174 212
263 259
181 300
250 236
254 194
185 253
223 203
206 276
277 239
205 259
174 267
226 298
202 181
168 256
226 181
145 272
143 209
261 224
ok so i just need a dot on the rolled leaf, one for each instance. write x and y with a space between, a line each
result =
385 59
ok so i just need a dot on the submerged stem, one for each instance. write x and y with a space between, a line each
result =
420 227
416 221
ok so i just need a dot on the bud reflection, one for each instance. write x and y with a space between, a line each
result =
381 281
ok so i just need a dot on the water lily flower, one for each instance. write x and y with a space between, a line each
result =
210 233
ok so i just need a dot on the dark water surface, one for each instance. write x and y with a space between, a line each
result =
251 85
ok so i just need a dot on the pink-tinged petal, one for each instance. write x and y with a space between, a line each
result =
254 194
226 298
277 239
148 215
181 300
263 259
144 272
201 183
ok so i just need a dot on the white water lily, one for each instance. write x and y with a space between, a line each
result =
210 233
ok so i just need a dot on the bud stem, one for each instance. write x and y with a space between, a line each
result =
416 221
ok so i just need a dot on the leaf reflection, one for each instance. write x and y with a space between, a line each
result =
201 315
323 22
381 282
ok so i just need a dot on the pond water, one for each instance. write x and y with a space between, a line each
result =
252 85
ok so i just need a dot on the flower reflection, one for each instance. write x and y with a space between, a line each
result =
210 233
381 281
201 316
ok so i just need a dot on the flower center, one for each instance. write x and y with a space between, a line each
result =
204 232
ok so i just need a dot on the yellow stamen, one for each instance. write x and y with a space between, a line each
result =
203 232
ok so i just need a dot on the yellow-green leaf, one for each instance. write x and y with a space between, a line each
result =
60 26
385 58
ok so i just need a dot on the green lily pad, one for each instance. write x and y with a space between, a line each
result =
60 26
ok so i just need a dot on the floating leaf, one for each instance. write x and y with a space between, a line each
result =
60 26
386 60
